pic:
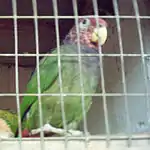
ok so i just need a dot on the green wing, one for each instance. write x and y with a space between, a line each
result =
48 73
51 105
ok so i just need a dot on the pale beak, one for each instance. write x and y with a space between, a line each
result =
99 34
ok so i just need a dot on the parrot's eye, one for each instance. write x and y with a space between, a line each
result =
84 24
100 25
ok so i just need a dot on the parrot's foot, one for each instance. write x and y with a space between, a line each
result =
47 128
74 133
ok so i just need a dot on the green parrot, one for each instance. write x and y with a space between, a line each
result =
70 77
8 123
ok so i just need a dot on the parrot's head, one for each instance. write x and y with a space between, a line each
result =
89 33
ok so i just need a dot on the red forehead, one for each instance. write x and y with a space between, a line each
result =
101 21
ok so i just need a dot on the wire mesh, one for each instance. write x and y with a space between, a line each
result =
122 68
108 137
135 4
95 6
80 69
55 8
38 72
14 5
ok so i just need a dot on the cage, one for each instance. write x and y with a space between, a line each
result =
119 115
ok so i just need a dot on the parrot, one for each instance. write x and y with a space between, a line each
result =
8 123
64 77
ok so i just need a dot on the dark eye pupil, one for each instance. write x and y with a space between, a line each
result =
100 25
84 21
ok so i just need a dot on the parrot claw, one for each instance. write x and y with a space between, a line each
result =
74 133
47 128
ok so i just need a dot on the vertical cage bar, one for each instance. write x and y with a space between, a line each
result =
55 10
136 9
95 6
116 9
14 8
75 9
34 5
